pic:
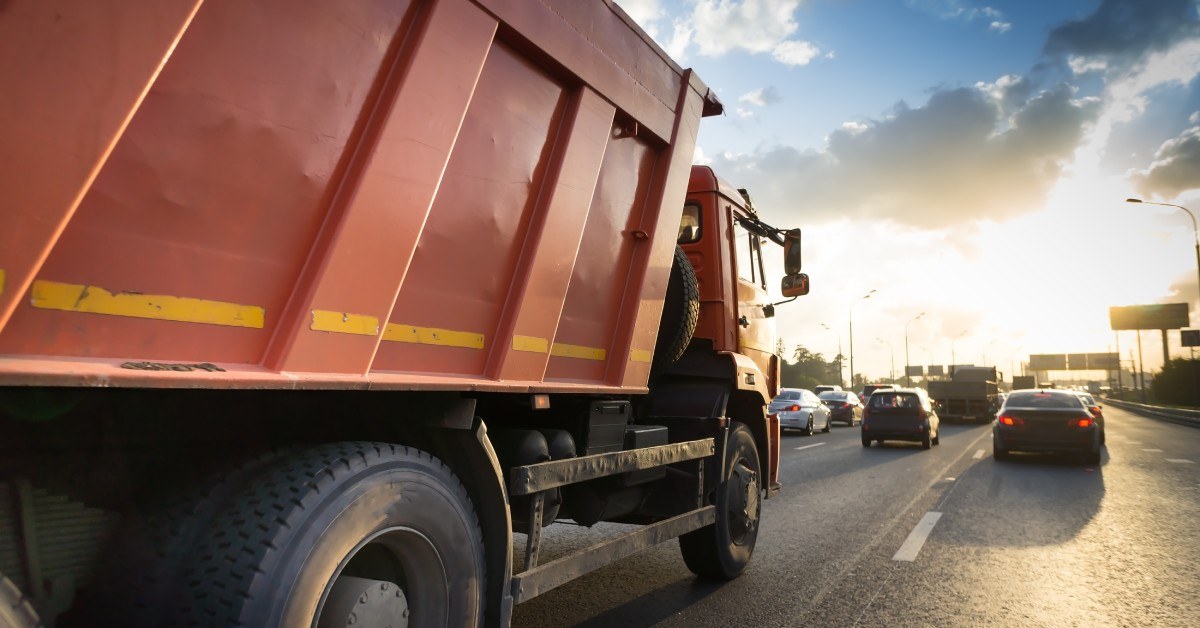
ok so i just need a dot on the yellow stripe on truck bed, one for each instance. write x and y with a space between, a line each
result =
52 295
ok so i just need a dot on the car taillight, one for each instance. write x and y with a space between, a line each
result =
1095 410
1009 420
793 408
1088 422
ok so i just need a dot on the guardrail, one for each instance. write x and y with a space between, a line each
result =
1174 415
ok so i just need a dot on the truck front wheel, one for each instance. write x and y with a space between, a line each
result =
364 533
722 550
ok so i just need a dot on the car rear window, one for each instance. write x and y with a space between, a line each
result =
835 395
1042 400
788 395
883 399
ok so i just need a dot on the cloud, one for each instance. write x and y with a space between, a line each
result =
714 28
1176 167
795 52
964 11
1122 32
760 97
955 161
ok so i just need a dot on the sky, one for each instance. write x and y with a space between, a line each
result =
968 160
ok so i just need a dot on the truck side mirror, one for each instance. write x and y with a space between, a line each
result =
794 285
791 252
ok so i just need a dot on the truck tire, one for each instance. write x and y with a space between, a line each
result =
722 550
15 609
362 533
681 311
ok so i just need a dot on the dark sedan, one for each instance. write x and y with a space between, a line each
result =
1046 420
844 406
900 414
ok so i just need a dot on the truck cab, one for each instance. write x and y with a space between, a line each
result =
722 236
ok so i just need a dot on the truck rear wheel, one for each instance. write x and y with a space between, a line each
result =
681 311
341 534
15 609
722 550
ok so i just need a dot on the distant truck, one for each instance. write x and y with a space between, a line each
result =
1024 382
308 309
1095 387
970 395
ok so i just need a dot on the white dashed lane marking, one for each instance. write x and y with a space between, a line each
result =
916 539
978 454
1180 461
811 446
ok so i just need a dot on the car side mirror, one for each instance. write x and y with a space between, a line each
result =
794 285
791 252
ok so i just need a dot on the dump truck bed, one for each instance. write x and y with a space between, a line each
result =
454 194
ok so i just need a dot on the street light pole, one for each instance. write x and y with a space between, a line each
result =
838 358
907 379
865 296
892 371
1195 240
1012 369
983 355
953 359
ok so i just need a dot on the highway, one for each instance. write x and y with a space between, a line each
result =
894 535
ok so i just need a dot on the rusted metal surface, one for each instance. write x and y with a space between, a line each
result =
536 581
452 194
547 475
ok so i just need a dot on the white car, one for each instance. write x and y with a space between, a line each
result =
800 409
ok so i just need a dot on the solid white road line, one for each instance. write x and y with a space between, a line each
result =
1180 461
916 539
810 446
978 454
1153 451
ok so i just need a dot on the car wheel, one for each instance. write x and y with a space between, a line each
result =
808 429
937 437
926 441
828 425
1092 457
722 550
866 441
999 453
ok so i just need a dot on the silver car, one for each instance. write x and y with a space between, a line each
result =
800 409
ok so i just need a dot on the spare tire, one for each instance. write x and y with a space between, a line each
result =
681 310
15 609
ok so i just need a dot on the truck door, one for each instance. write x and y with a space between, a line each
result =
756 332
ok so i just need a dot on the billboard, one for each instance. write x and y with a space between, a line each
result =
1159 316
1103 361
1189 337
1048 362
936 369
1074 362
914 371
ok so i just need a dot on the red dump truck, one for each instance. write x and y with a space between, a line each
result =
306 307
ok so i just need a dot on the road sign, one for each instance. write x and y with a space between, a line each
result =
936 369
914 371
1190 337
1159 316
1048 362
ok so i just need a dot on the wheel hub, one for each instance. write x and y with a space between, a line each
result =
362 602
743 508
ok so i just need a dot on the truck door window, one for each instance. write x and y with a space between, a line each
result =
744 248
689 225
749 256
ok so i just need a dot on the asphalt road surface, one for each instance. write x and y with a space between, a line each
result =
1043 540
